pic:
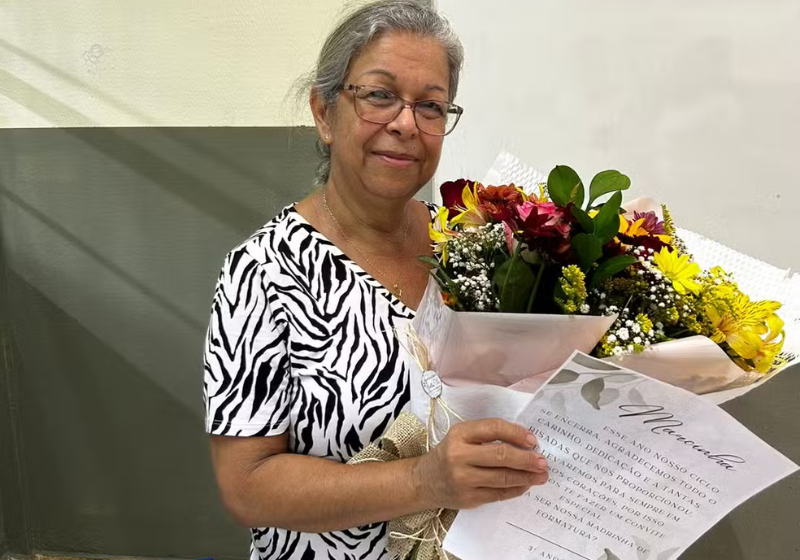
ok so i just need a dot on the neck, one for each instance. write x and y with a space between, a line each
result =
368 217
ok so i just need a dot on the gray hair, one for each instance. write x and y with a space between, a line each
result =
355 31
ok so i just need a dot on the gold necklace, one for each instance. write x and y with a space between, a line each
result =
396 290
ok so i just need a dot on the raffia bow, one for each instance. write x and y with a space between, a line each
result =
419 534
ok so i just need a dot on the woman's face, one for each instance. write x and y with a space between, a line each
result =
390 160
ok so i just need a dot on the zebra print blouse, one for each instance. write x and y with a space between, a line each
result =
300 339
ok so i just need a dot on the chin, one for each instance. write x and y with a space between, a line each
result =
396 186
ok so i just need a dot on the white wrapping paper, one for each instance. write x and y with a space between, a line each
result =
696 364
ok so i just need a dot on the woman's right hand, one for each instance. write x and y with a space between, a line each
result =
479 462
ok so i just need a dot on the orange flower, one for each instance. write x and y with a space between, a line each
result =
499 203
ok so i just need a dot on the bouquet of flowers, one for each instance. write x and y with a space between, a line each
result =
558 247
533 269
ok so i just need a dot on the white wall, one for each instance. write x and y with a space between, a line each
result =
157 62
698 102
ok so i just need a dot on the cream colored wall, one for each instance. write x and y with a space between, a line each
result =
699 102
157 62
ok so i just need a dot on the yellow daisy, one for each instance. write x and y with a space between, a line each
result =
679 270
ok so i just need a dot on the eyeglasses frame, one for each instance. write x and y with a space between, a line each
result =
452 108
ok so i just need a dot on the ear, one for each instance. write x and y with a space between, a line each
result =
323 116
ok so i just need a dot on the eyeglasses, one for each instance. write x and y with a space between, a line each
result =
380 106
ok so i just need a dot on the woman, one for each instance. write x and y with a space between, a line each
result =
302 369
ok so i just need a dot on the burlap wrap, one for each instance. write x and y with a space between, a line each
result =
407 437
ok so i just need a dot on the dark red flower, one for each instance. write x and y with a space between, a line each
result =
543 219
546 226
451 195
645 241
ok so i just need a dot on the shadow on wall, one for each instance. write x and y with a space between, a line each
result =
113 240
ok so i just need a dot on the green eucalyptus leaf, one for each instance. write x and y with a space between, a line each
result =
606 182
588 248
583 219
610 267
514 281
562 184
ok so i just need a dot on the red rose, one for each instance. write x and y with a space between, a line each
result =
451 196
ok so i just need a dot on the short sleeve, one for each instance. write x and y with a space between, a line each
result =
246 365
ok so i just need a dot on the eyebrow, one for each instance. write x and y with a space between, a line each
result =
394 79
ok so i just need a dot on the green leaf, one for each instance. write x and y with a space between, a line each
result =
588 249
564 376
591 391
562 184
514 281
530 257
440 275
610 267
583 218
606 223
433 261
606 182
577 195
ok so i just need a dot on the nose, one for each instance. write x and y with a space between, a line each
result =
405 123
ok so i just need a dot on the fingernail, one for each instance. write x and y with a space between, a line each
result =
541 463
531 439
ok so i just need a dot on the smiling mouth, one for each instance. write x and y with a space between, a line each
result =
396 156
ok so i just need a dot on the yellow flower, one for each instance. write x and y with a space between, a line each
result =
635 229
679 270
720 287
542 197
744 326
644 322
768 353
471 216
573 284
440 233
632 229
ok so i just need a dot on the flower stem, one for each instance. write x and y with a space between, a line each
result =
539 275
